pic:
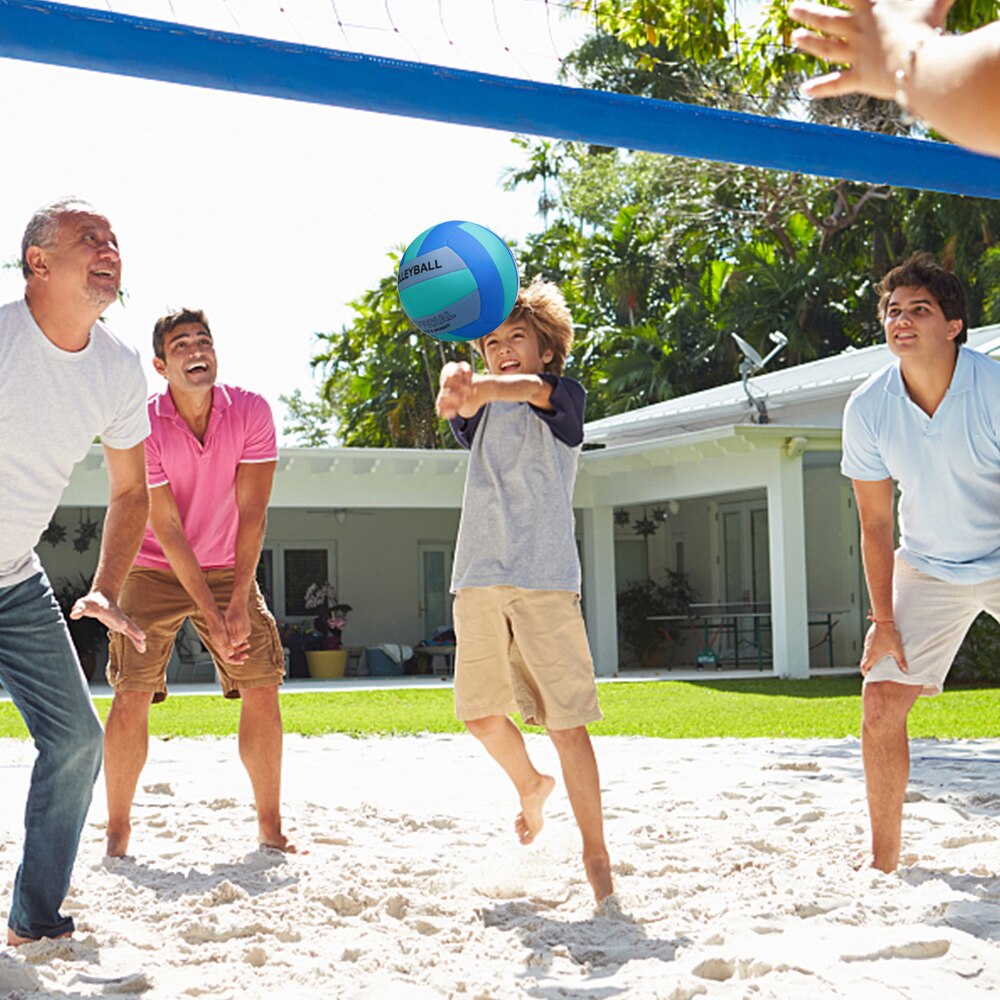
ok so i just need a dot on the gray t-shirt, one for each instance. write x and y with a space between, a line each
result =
517 526
52 404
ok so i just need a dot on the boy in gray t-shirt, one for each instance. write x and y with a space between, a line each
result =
521 640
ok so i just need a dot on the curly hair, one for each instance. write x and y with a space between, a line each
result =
542 307
921 270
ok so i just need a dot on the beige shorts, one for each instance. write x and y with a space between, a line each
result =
932 617
155 600
525 651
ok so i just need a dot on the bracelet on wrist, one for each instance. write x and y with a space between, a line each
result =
904 76
880 621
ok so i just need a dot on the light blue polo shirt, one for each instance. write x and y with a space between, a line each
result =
947 466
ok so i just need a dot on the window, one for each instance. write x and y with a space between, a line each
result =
265 575
303 567
631 562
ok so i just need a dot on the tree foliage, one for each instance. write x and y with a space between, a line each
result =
742 53
309 421
661 259
381 375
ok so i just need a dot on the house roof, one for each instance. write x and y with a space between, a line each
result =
807 395
804 405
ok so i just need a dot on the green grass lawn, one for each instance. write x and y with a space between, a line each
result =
828 707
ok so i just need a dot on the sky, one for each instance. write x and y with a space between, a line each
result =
270 215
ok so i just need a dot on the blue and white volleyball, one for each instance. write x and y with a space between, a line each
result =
457 281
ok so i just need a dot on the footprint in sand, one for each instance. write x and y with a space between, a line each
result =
216 804
810 817
344 905
424 927
15 977
913 949
159 788
981 838
718 970
131 985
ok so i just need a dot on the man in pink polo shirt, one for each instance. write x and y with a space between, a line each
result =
210 460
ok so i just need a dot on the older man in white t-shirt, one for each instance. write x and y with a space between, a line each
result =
64 378
931 423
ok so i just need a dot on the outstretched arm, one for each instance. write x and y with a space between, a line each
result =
875 510
124 523
463 393
944 77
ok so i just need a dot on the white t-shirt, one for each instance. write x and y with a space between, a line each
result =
52 405
947 466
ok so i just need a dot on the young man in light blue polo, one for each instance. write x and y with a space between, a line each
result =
931 423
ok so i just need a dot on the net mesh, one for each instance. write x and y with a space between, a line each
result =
524 39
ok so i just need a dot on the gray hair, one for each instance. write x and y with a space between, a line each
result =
43 229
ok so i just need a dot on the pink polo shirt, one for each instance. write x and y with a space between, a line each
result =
202 476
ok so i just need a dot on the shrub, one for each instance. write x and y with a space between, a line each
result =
979 658
640 600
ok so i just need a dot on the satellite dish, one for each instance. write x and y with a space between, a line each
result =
752 358
749 351
753 362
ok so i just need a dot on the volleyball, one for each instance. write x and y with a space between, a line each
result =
457 281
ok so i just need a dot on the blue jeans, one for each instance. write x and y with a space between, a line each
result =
39 669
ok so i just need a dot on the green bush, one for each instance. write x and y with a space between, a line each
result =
979 658
639 600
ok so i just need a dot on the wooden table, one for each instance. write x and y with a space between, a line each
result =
445 650
728 619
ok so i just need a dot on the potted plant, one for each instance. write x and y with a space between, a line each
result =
88 634
328 658
642 599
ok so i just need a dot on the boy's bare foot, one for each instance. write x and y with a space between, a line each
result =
15 940
598 869
117 846
529 820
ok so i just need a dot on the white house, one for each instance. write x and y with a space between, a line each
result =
756 514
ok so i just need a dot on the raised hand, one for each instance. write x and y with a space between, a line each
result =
872 39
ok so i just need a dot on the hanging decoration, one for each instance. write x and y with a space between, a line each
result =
86 532
645 526
54 533
650 521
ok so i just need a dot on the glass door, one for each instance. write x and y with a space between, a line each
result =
746 565
435 583
746 580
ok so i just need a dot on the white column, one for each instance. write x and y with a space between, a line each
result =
787 543
599 587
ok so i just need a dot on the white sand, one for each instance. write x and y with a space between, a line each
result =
734 863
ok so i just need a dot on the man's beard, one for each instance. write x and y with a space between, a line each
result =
101 297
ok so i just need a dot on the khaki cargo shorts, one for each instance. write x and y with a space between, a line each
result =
932 616
155 600
525 651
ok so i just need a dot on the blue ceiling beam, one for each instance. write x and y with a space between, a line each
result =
91 39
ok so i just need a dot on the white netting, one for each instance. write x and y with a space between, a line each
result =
527 39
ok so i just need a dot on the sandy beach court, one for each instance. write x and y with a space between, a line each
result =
734 862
